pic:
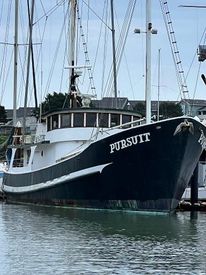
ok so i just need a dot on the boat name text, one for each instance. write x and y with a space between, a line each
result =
130 141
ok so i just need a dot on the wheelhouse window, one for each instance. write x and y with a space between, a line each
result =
28 154
55 122
115 120
104 120
65 120
18 158
78 120
91 119
126 119
49 123
135 118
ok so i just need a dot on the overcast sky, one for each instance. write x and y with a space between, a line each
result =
188 24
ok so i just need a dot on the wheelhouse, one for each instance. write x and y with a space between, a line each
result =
90 118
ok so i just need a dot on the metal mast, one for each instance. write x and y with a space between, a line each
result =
15 60
158 87
72 36
148 61
114 55
28 62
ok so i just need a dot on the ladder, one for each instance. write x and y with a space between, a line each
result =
87 60
174 49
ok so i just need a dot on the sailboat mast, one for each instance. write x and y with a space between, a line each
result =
148 61
72 36
30 16
158 87
114 55
15 60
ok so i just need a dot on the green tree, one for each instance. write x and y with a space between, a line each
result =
170 109
140 108
55 101
3 116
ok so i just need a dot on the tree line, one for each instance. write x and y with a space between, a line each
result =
57 101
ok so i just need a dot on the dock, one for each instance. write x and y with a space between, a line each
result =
188 206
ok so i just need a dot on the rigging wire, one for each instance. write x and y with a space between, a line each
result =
198 72
120 45
99 37
1 12
3 73
196 82
55 56
87 59
97 16
195 54
64 59
122 41
175 51
50 11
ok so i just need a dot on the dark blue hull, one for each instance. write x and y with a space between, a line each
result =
142 168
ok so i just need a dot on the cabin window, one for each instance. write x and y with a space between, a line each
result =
28 152
78 120
65 120
91 119
54 122
135 118
115 120
49 123
18 158
126 119
103 120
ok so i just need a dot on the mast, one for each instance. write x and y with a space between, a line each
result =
15 60
148 61
158 87
28 61
114 55
72 36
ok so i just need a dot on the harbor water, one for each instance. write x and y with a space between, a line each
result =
49 240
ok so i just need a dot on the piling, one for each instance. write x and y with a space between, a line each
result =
194 187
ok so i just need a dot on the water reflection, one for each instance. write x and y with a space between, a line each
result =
72 241
131 224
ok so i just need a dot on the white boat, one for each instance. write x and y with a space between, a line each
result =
2 170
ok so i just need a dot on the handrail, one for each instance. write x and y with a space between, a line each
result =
119 126
126 124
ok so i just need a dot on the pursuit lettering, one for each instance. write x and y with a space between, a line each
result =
130 141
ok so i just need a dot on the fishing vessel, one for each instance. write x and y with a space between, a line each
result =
103 158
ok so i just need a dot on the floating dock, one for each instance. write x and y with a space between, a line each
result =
188 206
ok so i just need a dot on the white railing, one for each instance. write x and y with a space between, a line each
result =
121 126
